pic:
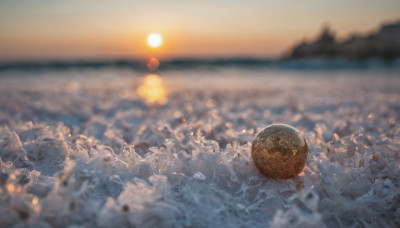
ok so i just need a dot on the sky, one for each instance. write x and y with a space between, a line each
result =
81 29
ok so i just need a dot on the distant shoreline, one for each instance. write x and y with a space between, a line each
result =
376 50
186 64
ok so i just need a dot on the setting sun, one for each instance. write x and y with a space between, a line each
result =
154 40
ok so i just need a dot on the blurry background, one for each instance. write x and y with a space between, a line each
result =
60 30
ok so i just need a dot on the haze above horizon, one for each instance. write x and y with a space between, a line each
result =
118 29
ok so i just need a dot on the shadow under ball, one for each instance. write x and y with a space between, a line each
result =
279 151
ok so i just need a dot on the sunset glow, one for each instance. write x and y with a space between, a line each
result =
177 29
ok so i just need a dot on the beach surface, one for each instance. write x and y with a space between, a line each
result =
113 148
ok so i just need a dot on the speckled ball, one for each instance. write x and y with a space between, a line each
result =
279 151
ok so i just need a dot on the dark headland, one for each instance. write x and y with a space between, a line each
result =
383 44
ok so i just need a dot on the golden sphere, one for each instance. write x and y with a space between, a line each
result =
279 151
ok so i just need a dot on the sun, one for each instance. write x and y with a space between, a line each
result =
154 40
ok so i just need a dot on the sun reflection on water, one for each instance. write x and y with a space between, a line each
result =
153 64
153 89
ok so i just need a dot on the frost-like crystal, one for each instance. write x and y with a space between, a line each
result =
92 153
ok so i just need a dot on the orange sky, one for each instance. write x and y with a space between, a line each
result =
47 29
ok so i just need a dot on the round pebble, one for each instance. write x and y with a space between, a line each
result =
279 151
